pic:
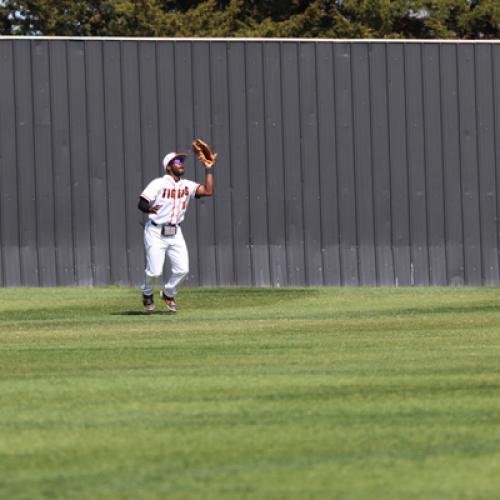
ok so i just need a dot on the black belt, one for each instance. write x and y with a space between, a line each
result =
161 225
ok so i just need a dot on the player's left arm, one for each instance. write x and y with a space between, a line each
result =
206 189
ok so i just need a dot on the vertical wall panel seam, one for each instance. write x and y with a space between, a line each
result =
19 201
106 156
301 170
389 155
286 219
52 149
408 176
478 170
2 173
157 99
71 156
424 140
337 197
141 152
33 152
16 146
174 62
355 174
124 117
89 169
193 121
443 176
51 146
212 139
252 270
193 118
72 201
141 138
229 170
370 124
320 214
266 166
141 114
156 117
460 162
230 157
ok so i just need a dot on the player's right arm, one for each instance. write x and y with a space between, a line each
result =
146 207
148 197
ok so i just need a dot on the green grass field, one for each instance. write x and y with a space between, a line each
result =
264 394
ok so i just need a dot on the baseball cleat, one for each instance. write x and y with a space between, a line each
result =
169 302
148 302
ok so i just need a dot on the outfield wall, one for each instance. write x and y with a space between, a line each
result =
340 162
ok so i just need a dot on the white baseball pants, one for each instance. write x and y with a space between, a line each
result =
157 246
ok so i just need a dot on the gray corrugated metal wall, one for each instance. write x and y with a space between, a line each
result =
341 163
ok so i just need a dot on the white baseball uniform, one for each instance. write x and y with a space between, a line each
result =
173 198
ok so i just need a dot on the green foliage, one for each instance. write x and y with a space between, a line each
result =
482 20
253 18
286 393
59 17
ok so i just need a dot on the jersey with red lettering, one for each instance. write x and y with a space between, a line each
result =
171 196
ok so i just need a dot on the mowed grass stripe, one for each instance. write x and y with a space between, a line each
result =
292 393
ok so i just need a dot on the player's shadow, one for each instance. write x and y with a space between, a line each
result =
141 313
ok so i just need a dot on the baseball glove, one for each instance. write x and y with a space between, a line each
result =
204 152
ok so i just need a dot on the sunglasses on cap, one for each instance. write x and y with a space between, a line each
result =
177 161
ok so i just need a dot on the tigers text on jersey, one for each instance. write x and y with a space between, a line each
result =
171 196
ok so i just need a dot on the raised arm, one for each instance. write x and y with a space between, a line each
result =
207 157
206 189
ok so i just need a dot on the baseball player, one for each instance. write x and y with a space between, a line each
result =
165 200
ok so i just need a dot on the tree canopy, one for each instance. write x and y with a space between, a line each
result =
424 19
